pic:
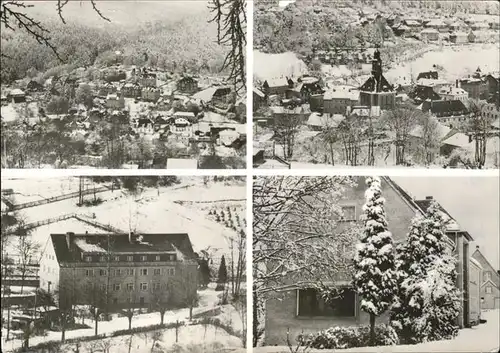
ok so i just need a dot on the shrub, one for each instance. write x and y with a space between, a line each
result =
348 337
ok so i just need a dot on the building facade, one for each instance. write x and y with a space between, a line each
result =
302 309
119 270
490 282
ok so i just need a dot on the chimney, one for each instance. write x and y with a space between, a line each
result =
470 138
456 83
69 237
130 237
429 198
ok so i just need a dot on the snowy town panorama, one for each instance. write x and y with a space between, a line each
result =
122 85
376 264
125 264
376 83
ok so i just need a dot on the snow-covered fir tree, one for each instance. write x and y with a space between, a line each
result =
427 302
374 277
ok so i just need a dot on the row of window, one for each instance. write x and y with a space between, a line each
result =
130 258
129 286
169 271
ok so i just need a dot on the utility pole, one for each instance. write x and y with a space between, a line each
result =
80 191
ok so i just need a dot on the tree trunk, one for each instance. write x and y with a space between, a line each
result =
372 330
63 330
96 318
162 315
130 322
190 312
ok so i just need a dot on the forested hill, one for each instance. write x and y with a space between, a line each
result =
307 23
177 42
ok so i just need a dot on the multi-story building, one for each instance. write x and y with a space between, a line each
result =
453 93
337 100
147 79
476 85
150 94
187 84
300 309
120 269
490 282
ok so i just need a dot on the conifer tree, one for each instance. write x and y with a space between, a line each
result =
427 301
374 276
222 278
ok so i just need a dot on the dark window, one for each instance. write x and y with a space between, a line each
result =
348 213
312 304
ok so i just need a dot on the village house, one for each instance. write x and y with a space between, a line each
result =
448 112
150 94
491 111
147 79
131 90
129 269
114 101
336 100
458 37
475 85
454 93
429 35
438 25
479 26
187 84
490 282
320 121
216 95
302 309
181 126
189 116
16 96
277 86
106 88
259 99
475 276
493 81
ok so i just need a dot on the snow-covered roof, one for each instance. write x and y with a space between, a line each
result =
16 92
475 262
88 248
459 140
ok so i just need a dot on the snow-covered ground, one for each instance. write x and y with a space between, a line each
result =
272 66
483 338
146 212
209 300
457 62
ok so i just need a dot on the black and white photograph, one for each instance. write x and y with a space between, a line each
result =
124 264
383 83
376 264
123 84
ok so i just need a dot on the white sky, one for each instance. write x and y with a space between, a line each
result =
472 201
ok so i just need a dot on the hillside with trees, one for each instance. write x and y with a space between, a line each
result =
175 44
307 24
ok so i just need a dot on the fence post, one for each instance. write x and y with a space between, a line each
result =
177 331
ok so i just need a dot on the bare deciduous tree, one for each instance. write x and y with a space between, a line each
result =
479 128
286 127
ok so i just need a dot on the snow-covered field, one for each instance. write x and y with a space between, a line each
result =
482 338
209 300
456 61
39 189
154 210
268 66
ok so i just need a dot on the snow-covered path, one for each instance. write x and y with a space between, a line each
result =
483 338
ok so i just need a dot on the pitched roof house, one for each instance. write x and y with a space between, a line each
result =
121 269
490 282
301 308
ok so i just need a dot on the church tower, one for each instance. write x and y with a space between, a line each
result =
377 93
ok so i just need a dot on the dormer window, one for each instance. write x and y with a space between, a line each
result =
144 258
130 258
88 258
102 259
157 258
116 258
